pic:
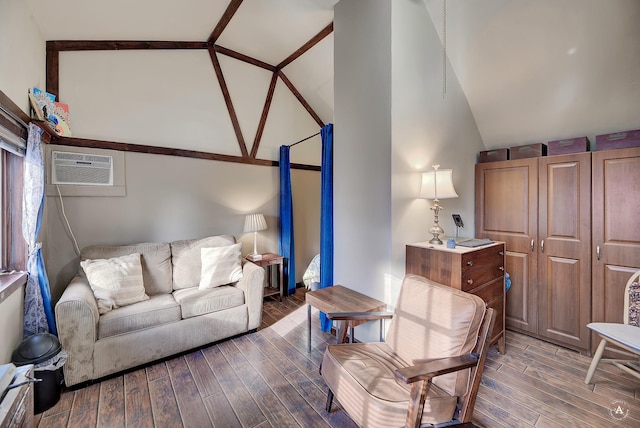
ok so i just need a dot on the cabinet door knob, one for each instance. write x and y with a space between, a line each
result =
598 252
542 246
469 263
533 242
469 281
501 268
501 253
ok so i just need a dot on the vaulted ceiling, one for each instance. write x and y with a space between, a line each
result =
531 70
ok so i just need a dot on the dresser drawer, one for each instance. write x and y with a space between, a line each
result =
491 291
475 278
482 258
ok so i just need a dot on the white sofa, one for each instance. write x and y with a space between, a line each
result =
177 316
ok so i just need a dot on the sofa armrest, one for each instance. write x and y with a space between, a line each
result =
77 322
252 283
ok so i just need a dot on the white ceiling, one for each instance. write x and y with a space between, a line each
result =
532 70
540 70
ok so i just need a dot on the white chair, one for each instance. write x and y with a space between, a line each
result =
626 336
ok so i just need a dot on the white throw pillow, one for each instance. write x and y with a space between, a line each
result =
115 282
220 266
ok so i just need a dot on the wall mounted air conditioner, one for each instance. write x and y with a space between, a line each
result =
81 169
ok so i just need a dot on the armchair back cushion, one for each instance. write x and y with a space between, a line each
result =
154 257
435 322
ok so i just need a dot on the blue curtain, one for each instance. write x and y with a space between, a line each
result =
38 308
326 216
285 242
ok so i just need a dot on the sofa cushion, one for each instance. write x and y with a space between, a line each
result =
220 266
115 282
194 302
185 258
156 262
159 309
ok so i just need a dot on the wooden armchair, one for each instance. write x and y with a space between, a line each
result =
427 371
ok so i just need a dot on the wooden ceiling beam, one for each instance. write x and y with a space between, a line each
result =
242 57
156 150
265 113
300 98
227 100
311 43
115 45
224 20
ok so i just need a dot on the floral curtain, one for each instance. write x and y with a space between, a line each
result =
38 308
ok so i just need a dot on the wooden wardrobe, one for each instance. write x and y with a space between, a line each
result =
572 234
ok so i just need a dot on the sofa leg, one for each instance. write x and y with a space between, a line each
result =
329 401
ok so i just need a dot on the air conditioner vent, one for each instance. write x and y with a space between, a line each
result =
81 169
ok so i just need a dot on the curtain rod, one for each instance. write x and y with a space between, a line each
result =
304 139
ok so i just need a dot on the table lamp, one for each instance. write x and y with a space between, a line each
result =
436 185
255 223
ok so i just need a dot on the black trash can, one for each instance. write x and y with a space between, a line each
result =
38 349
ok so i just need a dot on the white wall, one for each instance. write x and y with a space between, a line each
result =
390 126
22 52
171 198
362 147
172 99
21 67
430 126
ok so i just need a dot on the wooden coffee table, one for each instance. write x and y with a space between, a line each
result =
340 299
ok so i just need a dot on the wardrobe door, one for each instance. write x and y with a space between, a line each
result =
564 249
616 230
506 210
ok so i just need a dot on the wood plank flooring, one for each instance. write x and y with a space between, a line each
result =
267 379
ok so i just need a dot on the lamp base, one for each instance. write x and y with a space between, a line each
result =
254 257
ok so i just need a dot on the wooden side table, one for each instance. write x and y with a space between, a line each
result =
340 299
269 260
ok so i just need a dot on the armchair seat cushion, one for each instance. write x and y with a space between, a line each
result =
194 302
364 373
159 309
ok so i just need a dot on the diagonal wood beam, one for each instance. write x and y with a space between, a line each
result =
300 98
227 100
265 113
311 43
224 20
245 58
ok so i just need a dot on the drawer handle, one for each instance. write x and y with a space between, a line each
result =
469 281
501 268
469 263
501 253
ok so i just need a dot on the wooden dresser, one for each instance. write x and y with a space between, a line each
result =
478 271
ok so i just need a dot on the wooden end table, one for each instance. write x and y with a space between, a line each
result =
340 299
269 260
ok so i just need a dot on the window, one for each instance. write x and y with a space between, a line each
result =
12 147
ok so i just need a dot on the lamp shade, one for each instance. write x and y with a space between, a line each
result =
254 223
438 184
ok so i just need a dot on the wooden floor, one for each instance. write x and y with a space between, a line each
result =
267 379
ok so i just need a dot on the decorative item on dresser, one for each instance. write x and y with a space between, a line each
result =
436 185
478 271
